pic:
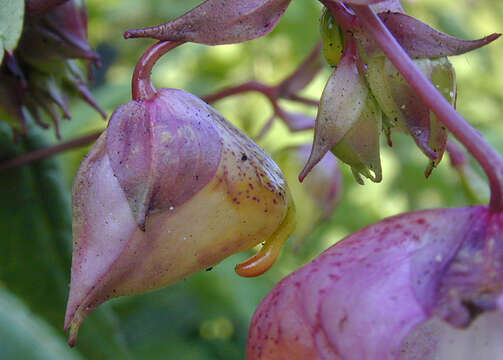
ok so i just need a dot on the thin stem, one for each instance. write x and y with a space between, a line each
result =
303 100
268 91
456 154
346 19
488 158
48 151
143 89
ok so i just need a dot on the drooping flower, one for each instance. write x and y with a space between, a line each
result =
423 285
169 189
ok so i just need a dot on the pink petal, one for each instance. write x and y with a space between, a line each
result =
420 40
217 22
103 227
377 293
149 140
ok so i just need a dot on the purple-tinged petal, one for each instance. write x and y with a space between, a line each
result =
388 6
394 290
12 97
420 40
101 229
206 190
148 139
59 34
217 22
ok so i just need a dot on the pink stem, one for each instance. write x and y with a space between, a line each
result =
48 151
456 153
143 89
488 158
268 91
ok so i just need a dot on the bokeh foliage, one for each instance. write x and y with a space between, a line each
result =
206 316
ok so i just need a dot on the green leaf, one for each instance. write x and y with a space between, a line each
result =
35 248
23 335
11 24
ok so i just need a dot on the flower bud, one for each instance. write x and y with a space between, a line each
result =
42 73
405 109
333 40
422 285
170 189
59 34
348 122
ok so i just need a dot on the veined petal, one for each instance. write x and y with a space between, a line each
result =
409 287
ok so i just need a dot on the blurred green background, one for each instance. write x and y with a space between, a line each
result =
206 316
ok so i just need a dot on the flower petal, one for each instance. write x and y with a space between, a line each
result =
101 230
216 22
146 140
420 40
374 293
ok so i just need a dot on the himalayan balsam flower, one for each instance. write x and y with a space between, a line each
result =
419 286
169 189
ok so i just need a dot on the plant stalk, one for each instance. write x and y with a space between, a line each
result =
142 87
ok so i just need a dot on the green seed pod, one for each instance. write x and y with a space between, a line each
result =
332 37
359 148
404 108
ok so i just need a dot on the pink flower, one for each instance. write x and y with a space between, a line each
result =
169 189
423 285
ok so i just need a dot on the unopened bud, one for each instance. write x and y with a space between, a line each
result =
170 189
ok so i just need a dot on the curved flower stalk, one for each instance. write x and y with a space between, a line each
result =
169 189
423 285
